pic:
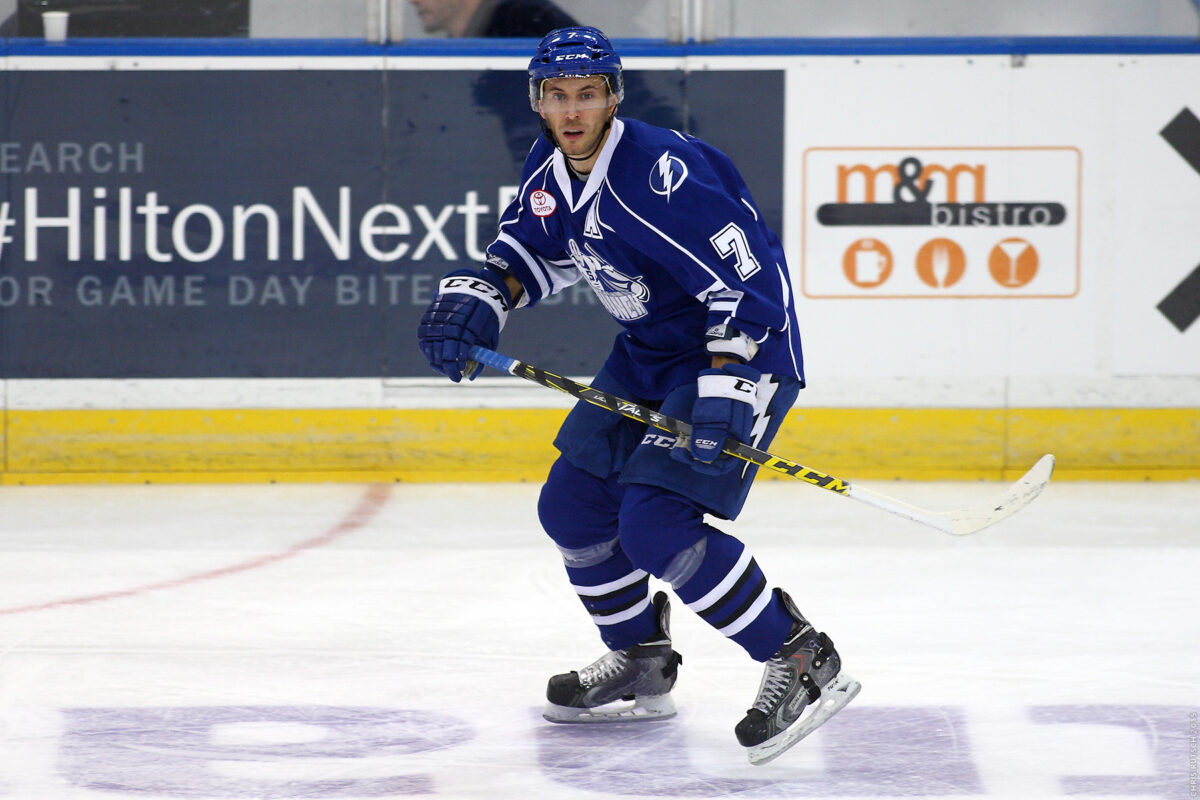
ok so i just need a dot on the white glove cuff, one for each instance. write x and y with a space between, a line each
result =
477 287
728 386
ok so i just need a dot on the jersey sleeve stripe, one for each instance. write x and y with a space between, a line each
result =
560 277
552 276
531 263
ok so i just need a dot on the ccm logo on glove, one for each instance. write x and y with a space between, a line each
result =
724 409
468 284
469 309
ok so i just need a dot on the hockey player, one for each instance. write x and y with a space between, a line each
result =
666 233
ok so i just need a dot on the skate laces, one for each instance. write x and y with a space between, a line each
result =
602 669
777 679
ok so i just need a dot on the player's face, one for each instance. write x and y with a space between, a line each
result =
576 110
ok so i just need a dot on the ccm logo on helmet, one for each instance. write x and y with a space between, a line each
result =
542 203
571 57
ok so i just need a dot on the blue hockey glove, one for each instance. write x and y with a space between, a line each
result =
724 408
470 309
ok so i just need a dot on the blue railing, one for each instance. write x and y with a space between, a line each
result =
867 46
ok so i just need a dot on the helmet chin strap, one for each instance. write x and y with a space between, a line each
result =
599 141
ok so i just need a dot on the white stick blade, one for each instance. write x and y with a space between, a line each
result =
973 519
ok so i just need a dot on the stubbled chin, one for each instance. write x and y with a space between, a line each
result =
572 146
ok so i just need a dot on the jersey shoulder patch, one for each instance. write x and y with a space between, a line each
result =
668 174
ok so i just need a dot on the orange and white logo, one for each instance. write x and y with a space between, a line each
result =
941 263
867 263
941 222
1013 262
542 203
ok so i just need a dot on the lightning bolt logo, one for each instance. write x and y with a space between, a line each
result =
668 174
762 415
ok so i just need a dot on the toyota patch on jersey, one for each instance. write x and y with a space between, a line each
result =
542 203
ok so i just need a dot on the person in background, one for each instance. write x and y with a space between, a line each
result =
491 18
529 19
496 19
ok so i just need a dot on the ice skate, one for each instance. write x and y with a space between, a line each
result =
627 685
804 674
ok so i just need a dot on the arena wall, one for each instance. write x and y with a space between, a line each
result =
214 256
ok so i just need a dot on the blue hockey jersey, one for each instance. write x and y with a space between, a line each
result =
668 237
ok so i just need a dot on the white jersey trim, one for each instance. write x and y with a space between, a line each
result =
599 172
528 258
551 277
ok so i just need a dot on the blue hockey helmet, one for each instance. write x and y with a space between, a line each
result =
574 53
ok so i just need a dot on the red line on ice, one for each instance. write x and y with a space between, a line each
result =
371 503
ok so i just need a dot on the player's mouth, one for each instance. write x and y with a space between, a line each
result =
573 134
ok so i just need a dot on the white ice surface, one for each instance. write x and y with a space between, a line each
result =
349 641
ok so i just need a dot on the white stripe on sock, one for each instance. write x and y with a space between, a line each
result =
751 614
611 586
622 616
724 586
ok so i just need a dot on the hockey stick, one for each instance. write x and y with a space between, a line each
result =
958 522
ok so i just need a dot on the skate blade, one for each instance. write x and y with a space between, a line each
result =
834 698
643 709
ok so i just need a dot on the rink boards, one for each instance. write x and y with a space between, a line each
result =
212 265
255 445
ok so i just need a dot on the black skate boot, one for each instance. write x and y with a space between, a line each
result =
627 685
806 671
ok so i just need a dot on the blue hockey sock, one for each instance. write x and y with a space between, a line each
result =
579 512
730 592
618 597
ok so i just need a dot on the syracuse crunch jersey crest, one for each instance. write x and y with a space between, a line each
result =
621 295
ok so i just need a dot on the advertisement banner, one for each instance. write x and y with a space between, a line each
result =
997 217
263 223
972 222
